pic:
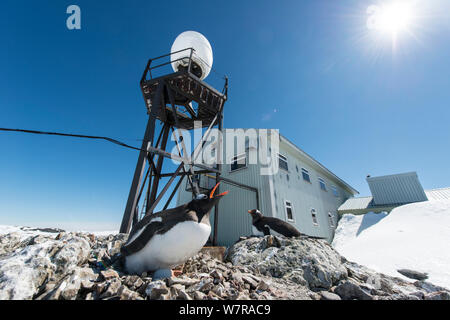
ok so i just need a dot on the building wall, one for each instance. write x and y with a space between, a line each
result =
234 221
305 196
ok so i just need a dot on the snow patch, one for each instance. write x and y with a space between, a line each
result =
414 236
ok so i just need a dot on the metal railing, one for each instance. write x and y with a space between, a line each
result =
147 76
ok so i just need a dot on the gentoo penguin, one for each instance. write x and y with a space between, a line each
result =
168 238
268 225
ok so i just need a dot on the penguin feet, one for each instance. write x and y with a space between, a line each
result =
161 274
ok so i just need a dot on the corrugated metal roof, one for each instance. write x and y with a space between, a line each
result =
396 189
438 194
355 204
365 204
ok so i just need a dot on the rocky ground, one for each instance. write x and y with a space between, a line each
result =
68 266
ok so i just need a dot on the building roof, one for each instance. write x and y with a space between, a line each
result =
359 203
321 166
396 188
438 194
365 204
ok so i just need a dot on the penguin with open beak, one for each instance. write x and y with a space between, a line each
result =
168 238
270 225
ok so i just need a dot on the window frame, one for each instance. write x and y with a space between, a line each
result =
322 181
188 185
335 191
305 171
237 158
290 206
331 219
314 217
285 160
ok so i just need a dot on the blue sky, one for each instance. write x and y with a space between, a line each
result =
312 69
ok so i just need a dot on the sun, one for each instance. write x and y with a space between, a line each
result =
391 18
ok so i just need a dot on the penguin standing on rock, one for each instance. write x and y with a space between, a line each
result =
267 225
168 238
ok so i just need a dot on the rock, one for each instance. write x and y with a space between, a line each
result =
78 266
216 275
215 252
329 295
127 294
237 276
296 276
112 289
314 296
243 296
440 295
219 290
419 295
80 278
253 284
100 287
428 287
199 295
89 296
109 274
73 251
204 285
177 292
413 274
46 259
349 290
263 286
183 281
133 282
280 257
156 289
254 296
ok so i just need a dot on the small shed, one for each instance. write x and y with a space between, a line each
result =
388 192
396 189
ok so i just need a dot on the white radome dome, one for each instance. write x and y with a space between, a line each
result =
202 56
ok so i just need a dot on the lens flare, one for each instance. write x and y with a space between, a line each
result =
393 17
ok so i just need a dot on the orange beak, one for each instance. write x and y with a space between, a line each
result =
214 190
249 211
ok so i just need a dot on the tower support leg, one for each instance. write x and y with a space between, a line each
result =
130 208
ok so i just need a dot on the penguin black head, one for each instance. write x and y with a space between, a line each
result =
256 214
203 203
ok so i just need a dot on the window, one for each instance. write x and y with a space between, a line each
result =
322 184
238 162
335 192
330 217
305 175
213 156
289 213
204 182
282 162
251 143
314 217
211 181
195 177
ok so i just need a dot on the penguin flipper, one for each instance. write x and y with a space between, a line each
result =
144 237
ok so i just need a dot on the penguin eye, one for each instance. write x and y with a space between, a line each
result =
201 197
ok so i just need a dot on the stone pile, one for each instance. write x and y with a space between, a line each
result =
69 266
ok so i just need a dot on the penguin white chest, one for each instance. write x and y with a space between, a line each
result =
172 248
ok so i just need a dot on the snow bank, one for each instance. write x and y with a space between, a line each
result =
414 236
28 231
